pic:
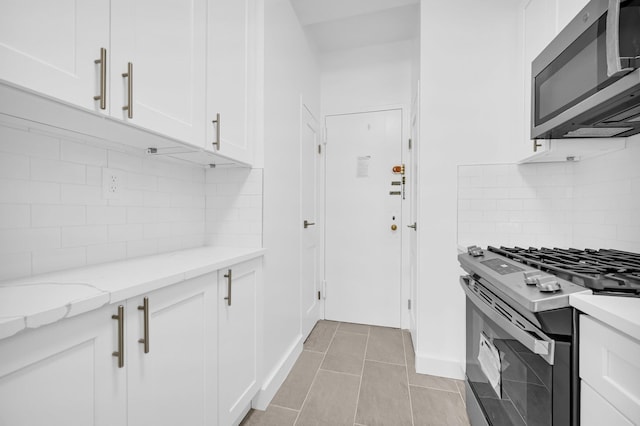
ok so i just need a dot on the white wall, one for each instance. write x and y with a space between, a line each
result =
360 79
594 203
290 73
53 214
470 85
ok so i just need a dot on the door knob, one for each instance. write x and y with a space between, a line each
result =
394 227
308 224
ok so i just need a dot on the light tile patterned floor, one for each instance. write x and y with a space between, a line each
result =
360 375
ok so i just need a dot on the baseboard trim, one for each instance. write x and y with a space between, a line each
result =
439 367
277 376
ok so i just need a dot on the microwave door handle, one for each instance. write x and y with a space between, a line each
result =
614 62
546 349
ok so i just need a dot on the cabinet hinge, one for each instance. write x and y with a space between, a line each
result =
409 304
319 149
410 145
318 294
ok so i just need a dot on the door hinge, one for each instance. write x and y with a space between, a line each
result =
319 149
318 294
409 143
409 304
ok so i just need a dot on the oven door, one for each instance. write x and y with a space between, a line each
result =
509 363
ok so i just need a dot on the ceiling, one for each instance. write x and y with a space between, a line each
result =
347 24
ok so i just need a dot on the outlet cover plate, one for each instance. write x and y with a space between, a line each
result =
113 182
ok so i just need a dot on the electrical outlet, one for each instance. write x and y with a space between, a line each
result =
112 183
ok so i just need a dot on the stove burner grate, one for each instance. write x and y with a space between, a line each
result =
603 271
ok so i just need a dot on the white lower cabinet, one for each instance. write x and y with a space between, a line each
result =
175 381
191 355
63 374
610 375
239 339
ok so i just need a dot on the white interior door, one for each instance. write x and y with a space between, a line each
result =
413 206
362 248
309 180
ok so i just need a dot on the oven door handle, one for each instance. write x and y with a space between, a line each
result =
543 347
614 61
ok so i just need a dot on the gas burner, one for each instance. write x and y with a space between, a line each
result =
603 271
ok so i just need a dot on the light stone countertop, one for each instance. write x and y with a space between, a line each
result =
44 299
620 313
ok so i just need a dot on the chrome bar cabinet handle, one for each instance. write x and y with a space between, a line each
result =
228 277
216 123
129 76
120 352
102 97
145 309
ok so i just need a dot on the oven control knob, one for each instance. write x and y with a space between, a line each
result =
530 277
475 251
548 284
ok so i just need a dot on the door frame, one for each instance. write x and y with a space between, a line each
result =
405 113
319 159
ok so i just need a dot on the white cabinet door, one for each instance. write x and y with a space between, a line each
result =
50 47
231 77
174 383
63 374
596 411
165 42
239 341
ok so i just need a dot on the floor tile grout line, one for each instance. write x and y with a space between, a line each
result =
385 362
364 360
406 370
432 388
316 375
339 372
284 408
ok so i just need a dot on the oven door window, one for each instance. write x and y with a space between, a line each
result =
521 394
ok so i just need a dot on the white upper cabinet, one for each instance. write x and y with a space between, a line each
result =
51 47
165 41
231 78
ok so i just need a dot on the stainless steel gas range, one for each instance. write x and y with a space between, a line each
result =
522 348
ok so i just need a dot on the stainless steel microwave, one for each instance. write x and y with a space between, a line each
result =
586 83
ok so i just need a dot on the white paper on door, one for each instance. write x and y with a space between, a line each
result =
490 363
362 169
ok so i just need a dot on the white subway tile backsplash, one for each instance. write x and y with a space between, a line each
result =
58 259
83 154
53 214
82 194
124 161
28 239
106 215
15 265
58 171
14 166
57 215
110 252
128 232
23 191
593 203
15 216
28 143
76 236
